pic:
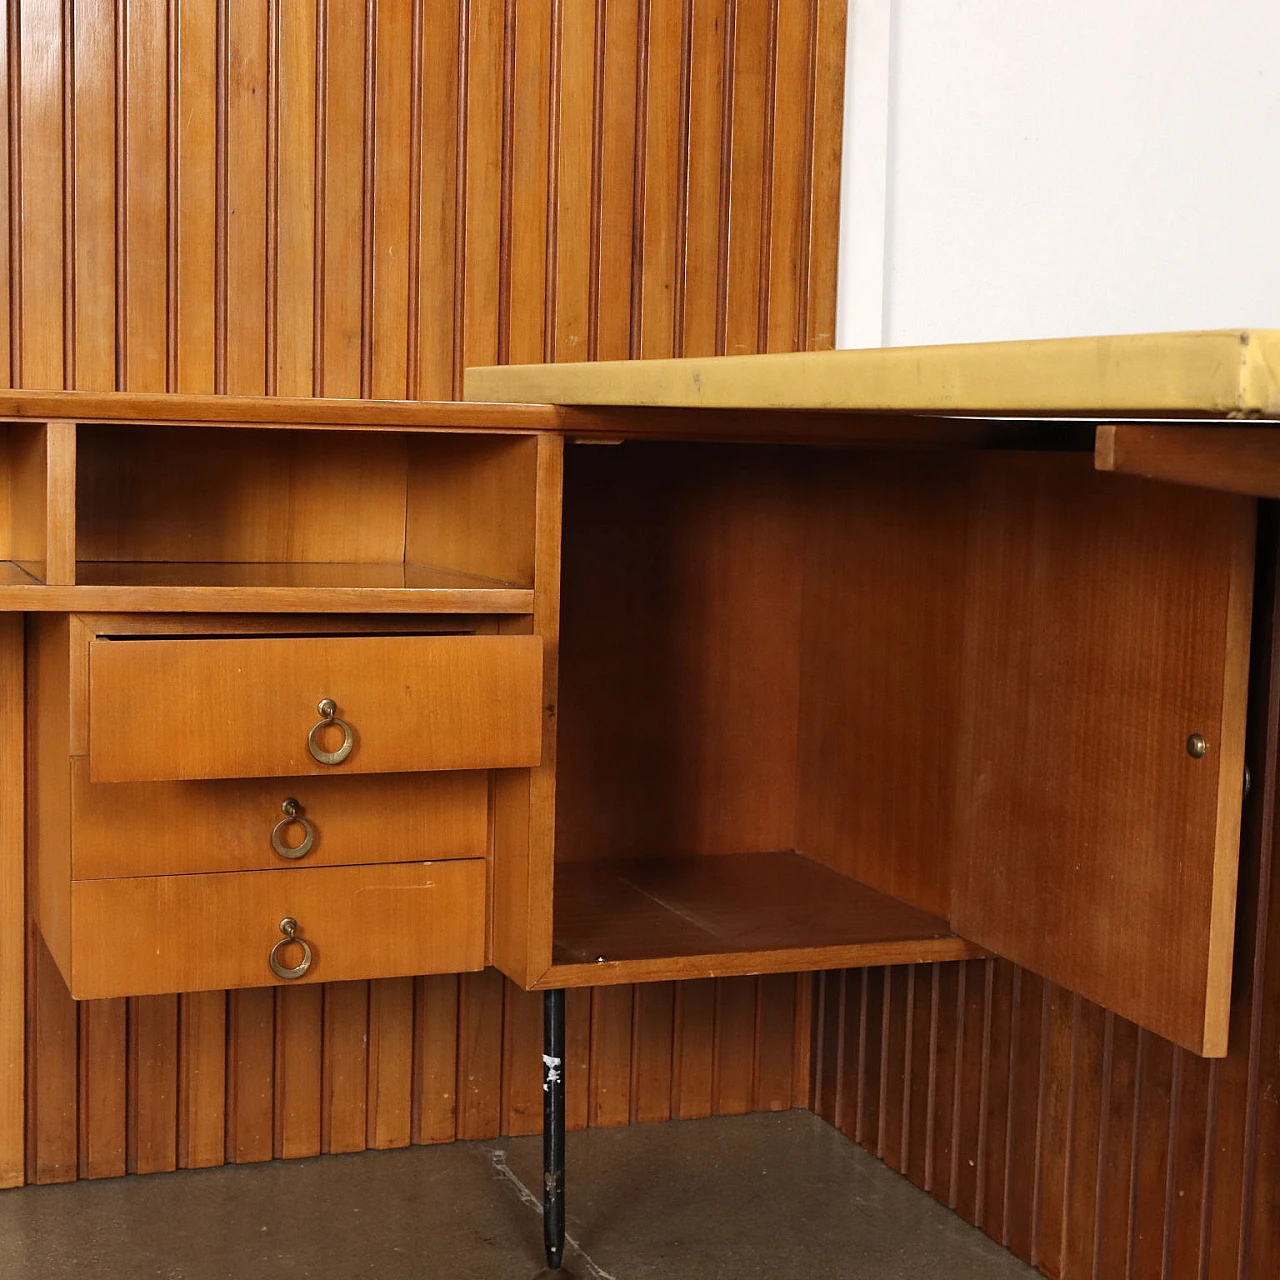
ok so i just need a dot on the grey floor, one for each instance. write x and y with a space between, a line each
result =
778 1196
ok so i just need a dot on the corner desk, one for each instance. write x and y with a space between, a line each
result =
653 670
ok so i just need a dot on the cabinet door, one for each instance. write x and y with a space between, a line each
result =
1100 766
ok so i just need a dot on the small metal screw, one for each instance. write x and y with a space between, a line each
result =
1197 745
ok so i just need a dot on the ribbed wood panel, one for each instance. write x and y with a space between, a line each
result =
354 198
1089 1147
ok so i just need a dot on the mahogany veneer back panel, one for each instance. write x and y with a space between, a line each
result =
680 646
191 495
156 493
880 677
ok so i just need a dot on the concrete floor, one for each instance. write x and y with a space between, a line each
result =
777 1196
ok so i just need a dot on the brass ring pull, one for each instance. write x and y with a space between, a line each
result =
328 709
289 927
292 811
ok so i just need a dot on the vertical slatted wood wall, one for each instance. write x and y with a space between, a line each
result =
360 198
1087 1146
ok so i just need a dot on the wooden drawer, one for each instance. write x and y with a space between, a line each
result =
179 828
156 934
244 707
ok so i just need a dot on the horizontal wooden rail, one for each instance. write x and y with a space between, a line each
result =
608 422
1234 459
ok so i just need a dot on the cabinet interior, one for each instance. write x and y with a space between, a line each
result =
219 507
842 706
23 503
758 706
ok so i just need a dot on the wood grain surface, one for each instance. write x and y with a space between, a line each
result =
165 828
146 495
1234 459
26 515
417 417
1088 1146
159 934
1127 634
13 1030
679 659
408 703
696 916
523 837
360 200
284 588
883 593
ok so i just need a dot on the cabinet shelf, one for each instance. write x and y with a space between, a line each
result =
682 917
149 591
305 575
300 586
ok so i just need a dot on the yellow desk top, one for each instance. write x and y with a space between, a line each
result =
1225 373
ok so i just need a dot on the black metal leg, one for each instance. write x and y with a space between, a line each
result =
553 1127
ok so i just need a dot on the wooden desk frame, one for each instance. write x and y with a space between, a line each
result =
910 433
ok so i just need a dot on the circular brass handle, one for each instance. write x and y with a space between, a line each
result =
292 811
289 927
328 709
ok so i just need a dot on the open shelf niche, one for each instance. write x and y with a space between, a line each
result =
36 470
758 710
163 506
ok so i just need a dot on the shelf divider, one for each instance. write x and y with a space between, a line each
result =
60 502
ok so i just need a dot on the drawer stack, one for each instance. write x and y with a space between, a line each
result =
227 803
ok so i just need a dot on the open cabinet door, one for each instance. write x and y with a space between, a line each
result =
1101 754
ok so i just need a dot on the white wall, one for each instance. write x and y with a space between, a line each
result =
1035 168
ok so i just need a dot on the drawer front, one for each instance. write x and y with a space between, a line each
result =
181 828
156 934
175 708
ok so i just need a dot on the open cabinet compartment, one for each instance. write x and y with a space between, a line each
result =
33 458
823 708
194 506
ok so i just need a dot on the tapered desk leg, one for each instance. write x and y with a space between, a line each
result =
553 1127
